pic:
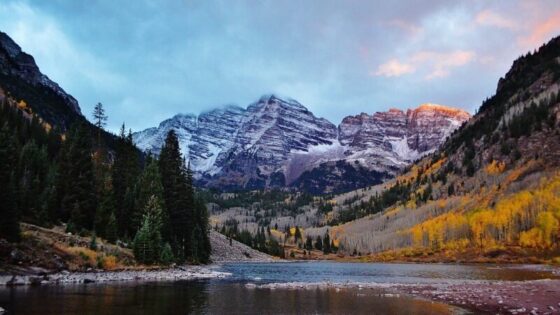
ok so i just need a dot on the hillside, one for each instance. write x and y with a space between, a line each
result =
53 250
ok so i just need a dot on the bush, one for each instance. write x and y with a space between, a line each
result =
166 256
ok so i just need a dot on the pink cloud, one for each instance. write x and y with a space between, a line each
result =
490 18
394 68
405 26
541 32
440 64
433 64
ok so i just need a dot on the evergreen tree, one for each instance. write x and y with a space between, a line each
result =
326 243
177 196
9 220
99 120
309 243
126 169
297 234
200 233
32 173
318 243
79 199
166 257
111 230
148 185
147 245
105 210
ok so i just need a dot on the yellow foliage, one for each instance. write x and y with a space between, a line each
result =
531 238
504 223
496 167
22 105
83 252
110 262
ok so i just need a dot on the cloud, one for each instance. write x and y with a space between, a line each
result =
434 64
408 27
440 64
491 18
541 31
394 68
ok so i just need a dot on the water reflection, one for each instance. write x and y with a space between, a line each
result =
231 296
207 298
122 299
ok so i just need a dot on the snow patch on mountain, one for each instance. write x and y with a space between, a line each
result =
274 140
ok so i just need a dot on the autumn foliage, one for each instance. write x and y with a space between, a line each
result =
528 218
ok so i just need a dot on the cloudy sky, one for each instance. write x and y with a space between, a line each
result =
147 60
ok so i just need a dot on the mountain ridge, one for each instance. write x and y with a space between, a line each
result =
274 140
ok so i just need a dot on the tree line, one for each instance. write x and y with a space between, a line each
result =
73 178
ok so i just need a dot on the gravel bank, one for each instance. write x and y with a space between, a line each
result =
496 297
173 274
224 250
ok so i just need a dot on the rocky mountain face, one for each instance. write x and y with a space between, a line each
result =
278 142
21 77
399 137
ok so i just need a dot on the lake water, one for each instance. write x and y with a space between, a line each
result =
232 296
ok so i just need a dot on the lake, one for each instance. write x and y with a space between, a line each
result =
233 296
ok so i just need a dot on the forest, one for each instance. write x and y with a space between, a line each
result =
73 178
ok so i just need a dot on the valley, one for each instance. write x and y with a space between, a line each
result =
265 207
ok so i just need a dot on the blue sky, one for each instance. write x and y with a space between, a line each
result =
147 60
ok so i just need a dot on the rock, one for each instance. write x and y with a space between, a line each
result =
18 280
35 280
87 280
16 256
2 310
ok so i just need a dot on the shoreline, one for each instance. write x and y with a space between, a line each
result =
103 276
497 297
487 296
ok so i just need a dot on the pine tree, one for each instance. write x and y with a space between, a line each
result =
9 218
105 210
99 120
166 258
200 231
32 171
147 244
79 199
148 185
309 243
177 196
318 243
111 230
125 172
326 244
297 234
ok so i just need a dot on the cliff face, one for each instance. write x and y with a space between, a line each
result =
405 136
21 77
278 142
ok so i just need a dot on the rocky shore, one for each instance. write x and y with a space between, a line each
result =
65 277
495 297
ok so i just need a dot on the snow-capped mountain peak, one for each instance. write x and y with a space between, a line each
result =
275 140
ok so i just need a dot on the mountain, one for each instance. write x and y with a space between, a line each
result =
24 86
376 147
278 142
21 78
